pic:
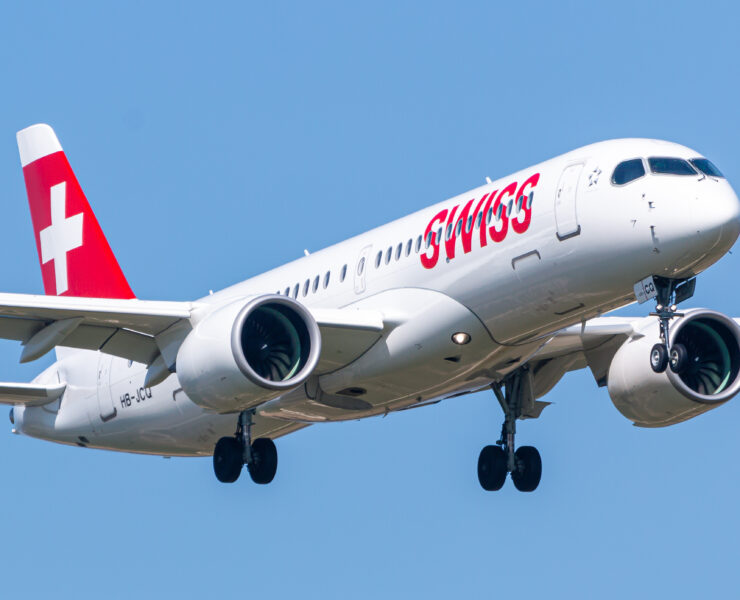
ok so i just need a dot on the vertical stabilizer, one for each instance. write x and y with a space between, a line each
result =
75 257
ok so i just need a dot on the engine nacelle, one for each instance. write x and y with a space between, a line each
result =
248 352
709 379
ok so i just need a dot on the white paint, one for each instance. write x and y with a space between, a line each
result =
35 142
64 234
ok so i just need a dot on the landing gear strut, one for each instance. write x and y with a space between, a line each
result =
524 463
669 293
232 453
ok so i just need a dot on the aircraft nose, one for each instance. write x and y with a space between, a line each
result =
716 217
727 207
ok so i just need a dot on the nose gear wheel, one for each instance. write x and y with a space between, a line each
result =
667 299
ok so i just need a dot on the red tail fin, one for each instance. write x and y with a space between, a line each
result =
75 257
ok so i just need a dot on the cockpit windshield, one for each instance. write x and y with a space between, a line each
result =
706 166
670 166
627 171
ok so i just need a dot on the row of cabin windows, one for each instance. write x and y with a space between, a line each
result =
503 209
385 257
405 249
399 251
313 287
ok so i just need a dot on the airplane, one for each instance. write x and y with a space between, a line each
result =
502 288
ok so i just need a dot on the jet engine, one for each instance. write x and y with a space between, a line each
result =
710 377
248 352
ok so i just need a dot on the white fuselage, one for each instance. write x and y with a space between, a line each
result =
574 254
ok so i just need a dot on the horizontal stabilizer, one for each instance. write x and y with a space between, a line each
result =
30 394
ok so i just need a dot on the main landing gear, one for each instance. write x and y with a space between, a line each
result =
232 453
524 463
669 293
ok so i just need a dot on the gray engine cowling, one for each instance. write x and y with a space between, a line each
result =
711 376
248 352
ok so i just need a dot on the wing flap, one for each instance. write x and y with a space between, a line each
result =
16 328
30 394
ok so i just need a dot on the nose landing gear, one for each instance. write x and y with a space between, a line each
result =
232 453
669 292
524 463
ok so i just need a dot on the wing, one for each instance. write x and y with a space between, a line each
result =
591 344
125 328
142 330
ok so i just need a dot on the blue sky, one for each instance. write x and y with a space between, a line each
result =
217 142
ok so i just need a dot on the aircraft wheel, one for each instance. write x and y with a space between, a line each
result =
678 358
264 461
526 476
227 460
492 468
658 358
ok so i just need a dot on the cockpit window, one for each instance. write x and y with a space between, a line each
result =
670 166
706 167
627 171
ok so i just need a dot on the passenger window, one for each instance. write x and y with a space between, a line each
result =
343 273
378 258
458 229
287 291
326 279
315 284
418 244
388 255
295 290
408 247
305 287
470 223
627 171
489 215
479 220
439 235
670 166
706 167
398 251
429 239
448 234
361 266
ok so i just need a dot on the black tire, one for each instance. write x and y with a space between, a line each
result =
263 467
227 460
679 357
659 358
492 468
526 476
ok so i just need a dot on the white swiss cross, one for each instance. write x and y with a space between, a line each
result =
61 236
